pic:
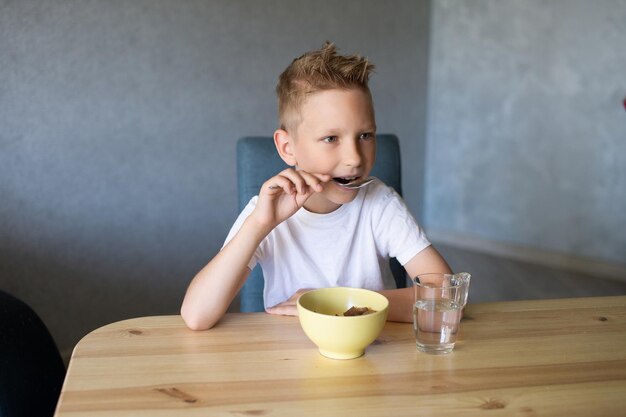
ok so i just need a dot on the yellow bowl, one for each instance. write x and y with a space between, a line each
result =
337 336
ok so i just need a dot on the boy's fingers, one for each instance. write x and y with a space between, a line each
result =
324 177
289 307
291 180
283 310
296 178
279 182
312 180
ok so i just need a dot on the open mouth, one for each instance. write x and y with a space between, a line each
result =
345 180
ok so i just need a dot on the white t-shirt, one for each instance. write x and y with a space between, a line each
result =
349 247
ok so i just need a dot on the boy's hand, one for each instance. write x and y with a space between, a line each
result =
289 307
284 194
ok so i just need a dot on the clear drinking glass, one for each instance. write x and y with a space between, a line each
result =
439 300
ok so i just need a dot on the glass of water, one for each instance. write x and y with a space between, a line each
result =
439 301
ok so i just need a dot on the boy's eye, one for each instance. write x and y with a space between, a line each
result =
330 139
366 136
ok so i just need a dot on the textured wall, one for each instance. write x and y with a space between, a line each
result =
118 122
526 129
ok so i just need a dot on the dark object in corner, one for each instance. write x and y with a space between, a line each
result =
31 368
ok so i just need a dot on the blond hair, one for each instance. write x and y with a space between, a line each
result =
318 70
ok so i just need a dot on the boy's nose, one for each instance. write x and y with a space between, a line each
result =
351 155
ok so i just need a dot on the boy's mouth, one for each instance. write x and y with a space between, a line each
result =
345 180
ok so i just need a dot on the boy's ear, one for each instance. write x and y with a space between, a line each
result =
283 143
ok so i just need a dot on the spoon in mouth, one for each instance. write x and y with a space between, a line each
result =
355 184
351 185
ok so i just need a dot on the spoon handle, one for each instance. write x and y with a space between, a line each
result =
359 184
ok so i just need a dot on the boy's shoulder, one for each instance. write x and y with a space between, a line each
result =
379 191
379 197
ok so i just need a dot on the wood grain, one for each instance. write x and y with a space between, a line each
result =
528 358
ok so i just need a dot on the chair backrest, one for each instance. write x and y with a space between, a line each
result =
257 161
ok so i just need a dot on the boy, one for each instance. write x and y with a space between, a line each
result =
306 228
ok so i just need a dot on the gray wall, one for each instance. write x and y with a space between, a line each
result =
526 127
118 123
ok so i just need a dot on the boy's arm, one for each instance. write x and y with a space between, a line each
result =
401 299
213 288
216 285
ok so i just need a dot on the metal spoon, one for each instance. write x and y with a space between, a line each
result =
356 184
351 185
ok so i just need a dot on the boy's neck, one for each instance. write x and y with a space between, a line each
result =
320 205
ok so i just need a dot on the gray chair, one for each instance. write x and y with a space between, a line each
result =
257 161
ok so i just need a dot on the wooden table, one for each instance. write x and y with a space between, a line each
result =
532 358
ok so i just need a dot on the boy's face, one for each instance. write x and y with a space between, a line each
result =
336 136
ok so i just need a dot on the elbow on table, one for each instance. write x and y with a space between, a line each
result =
195 320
